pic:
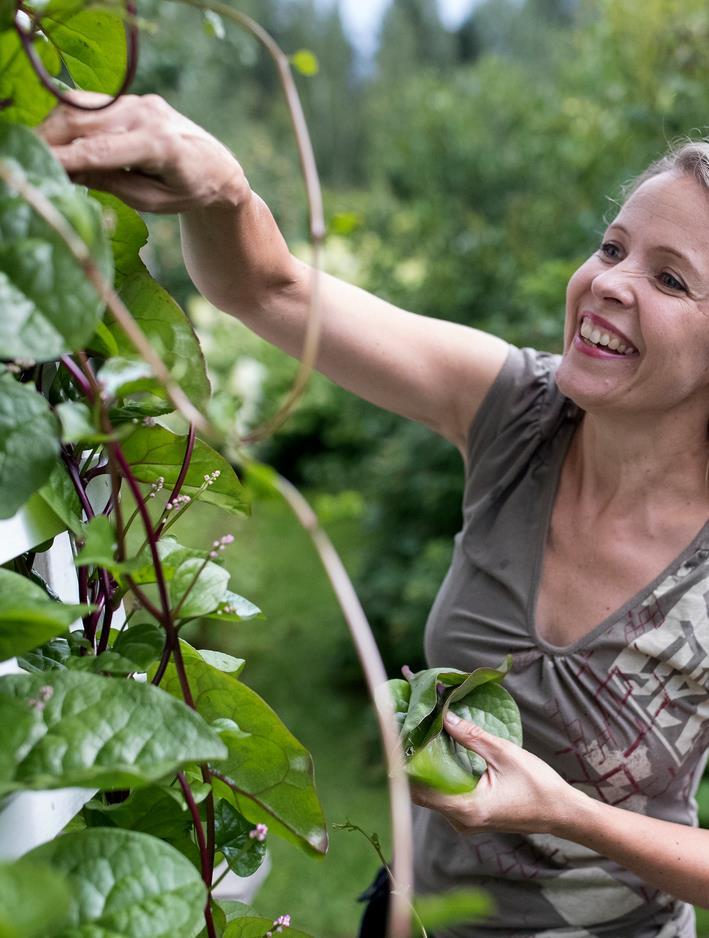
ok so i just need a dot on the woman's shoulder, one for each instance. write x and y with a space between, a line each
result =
523 404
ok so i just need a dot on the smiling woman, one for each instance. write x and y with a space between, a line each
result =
585 546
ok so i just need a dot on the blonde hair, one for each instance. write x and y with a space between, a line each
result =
687 156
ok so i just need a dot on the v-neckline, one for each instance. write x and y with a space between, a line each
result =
540 549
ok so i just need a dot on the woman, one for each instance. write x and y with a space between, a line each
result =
585 548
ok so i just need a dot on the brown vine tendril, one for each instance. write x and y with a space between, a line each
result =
313 193
401 874
56 221
27 40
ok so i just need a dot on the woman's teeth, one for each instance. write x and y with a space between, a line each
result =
594 336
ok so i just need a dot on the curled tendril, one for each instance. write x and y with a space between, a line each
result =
27 40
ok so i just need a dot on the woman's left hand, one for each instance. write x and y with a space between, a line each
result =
519 793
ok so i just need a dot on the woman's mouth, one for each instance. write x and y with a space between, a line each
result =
600 337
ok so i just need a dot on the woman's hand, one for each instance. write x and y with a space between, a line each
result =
147 154
518 793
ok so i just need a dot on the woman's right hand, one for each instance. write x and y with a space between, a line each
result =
146 153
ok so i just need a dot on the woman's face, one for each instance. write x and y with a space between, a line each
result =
637 312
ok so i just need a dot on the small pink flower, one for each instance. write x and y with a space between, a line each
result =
259 833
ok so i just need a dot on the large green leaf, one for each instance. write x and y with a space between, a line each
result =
270 771
18 82
92 45
34 900
28 617
154 451
168 330
125 885
103 733
29 443
47 304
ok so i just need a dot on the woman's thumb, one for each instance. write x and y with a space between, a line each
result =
472 736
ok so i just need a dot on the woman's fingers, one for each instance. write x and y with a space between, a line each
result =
107 152
147 153
66 123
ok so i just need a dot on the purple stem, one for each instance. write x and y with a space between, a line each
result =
26 38
177 487
165 618
78 376
204 856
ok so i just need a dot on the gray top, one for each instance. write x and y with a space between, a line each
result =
621 714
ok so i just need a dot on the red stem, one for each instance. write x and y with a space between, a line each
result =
203 851
177 487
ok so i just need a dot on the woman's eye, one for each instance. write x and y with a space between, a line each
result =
609 250
671 282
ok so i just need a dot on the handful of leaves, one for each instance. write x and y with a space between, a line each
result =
420 705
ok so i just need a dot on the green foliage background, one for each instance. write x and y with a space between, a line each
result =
467 175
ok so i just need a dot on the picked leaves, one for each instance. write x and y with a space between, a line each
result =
420 704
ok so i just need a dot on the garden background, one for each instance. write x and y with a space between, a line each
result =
466 175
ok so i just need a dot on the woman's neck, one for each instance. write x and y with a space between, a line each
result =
648 469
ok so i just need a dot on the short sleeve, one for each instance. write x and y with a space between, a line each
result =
516 428
516 402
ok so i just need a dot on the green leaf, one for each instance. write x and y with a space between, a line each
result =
151 810
142 644
305 62
34 899
125 885
51 656
128 233
234 608
154 451
168 330
453 907
21 730
59 493
29 444
243 853
197 588
77 424
271 772
99 543
122 376
171 556
108 662
256 926
435 764
92 45
222 661
104 733
213 24
28 617
18 81
47 304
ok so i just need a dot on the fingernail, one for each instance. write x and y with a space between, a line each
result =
452 718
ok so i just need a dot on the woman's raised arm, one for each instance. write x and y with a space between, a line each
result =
156 160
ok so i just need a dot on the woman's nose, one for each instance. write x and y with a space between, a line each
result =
615 284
